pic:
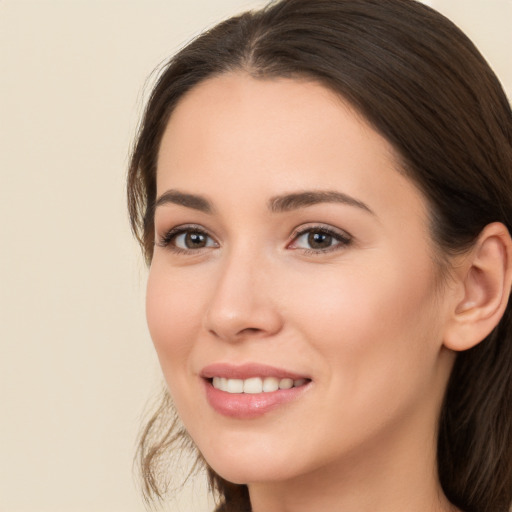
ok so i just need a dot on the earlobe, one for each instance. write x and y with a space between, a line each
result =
485 278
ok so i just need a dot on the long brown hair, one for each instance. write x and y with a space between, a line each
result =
422 84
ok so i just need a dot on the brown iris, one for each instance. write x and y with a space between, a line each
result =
319 240
195 240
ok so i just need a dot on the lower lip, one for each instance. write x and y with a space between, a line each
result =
247 405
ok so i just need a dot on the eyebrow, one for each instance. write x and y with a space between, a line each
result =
277 204
188 200
288 202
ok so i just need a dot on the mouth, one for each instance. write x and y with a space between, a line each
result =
251 390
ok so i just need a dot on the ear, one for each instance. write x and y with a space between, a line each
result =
484 279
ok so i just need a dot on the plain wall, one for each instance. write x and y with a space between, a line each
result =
76 362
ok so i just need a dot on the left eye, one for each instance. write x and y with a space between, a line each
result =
192 240
319 240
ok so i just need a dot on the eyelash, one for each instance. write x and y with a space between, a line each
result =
342 239
167 239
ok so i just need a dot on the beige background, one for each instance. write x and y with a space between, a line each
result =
76 363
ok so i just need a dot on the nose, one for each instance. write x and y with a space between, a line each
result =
243 304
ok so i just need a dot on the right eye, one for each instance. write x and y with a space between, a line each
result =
187 239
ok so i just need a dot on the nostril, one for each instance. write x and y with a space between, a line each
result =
250 330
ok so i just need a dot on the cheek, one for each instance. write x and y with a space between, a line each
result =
373 334
366 319
172 311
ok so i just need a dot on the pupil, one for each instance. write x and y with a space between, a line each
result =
319 240
195 240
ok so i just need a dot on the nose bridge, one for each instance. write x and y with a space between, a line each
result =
241 303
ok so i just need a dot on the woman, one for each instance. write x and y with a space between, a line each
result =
323 192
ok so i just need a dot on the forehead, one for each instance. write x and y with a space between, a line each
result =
272 136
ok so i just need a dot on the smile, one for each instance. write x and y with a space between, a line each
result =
251 390
255 385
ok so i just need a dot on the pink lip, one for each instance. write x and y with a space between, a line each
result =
246 405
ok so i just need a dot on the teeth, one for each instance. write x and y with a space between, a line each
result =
285 384
235 386
270 384
255 384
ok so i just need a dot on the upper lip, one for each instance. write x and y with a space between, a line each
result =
246 371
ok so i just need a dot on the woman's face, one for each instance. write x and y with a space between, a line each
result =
290 250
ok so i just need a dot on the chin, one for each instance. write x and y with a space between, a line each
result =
245 468
243 475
